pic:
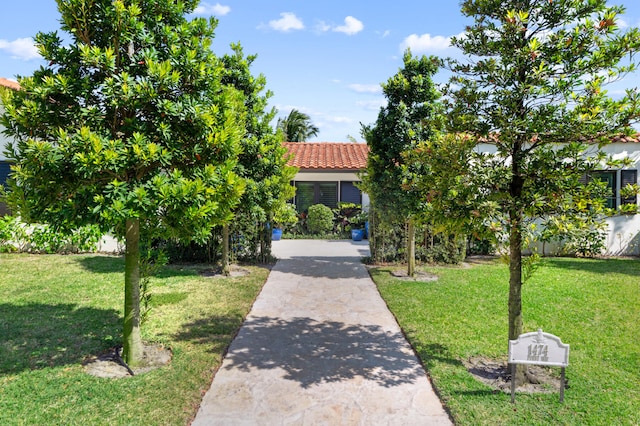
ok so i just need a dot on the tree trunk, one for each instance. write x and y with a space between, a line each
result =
411 248
373 235
132 349
226 270
515 289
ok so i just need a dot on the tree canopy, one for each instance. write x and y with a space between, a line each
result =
297 127
412 114
129 126
533 87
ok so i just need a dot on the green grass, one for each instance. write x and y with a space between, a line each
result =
56 311
593 305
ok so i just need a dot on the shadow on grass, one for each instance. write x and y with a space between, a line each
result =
312 352
214 332
627 266
435 352
37 335
103 264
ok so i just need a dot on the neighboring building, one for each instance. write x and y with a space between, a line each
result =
4 141
328 173
624 229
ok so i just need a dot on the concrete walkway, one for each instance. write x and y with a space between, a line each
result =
320 347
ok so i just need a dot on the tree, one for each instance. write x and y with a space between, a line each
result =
410 116
263 160
534 88
129 127
297 127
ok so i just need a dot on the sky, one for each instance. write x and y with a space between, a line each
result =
325 58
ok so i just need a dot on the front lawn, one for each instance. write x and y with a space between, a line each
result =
593 305
56 311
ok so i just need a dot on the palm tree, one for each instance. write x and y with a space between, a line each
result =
297 127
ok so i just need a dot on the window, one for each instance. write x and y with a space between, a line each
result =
349 193
305 195
615 181
4 172
328 194
309 193
609 178
5 169
628 177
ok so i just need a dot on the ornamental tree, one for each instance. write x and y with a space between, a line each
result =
129 126
534 87
411 115
263 160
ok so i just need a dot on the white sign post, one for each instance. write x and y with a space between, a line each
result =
540 349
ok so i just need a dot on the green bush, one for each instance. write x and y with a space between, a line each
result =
320 219
285 217
38 238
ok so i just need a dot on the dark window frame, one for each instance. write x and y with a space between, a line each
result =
318 196
616 180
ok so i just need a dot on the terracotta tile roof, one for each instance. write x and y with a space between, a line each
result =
9 83
327 155
627 139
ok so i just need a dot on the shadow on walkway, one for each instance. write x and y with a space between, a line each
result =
312 352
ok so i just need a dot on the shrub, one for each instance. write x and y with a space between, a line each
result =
285 217
320 219
38 238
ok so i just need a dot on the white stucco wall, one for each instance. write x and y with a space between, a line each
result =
624 230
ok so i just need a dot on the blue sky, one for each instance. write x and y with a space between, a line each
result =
326 58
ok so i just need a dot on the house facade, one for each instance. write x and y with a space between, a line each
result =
327 173
623 237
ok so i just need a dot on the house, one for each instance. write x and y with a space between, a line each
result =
4 141
327 173
623 229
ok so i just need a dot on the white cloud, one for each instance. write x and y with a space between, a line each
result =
338 119
366 88
211 9
323 27
351 26
288 22
373 105
425 43
20 48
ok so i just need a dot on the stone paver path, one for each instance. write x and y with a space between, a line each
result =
320 347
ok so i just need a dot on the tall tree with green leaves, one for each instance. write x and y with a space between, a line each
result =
534 86
129 126
263 160
297 127
412 114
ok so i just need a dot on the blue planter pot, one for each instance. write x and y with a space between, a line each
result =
276 234
357 234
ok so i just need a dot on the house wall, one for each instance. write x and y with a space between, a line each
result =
623 230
